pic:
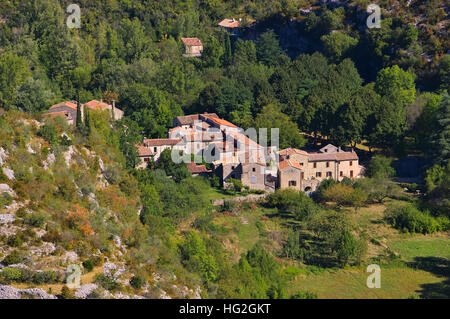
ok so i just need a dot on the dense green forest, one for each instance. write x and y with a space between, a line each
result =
384 90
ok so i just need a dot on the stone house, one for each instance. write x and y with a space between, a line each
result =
232 26
304 170
67 110
193 46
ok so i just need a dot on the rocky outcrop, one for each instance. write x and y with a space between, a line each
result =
8 292
7 218
84 291
9 173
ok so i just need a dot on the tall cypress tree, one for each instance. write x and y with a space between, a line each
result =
228 53
79 122
87 122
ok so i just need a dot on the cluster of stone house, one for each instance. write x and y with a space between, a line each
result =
68 110
234 155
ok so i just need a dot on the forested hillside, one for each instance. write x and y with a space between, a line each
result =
73 195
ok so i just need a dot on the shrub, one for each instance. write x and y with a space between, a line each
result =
14 258
408 218
380 166
345 195
136 282
88 265
106 282
66 293
35 219
49 132
9 275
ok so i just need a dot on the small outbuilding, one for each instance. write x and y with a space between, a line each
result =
194 47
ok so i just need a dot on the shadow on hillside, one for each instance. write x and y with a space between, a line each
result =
439 267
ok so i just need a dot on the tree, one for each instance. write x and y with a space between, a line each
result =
380 167
442 137
444 73
14 71
177 171
268 48
338 44
34 96
289 134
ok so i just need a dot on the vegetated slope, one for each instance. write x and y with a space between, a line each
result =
66 199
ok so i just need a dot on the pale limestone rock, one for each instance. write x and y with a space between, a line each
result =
9 173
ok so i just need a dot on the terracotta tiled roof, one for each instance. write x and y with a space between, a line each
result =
289 151
190 119
340 156
230 23
161 141
287 163
192 42
144 151
97 105
197 169
71 105
219 121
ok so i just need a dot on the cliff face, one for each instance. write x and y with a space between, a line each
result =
69 210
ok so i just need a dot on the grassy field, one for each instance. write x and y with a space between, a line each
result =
421 246
420 270
396 283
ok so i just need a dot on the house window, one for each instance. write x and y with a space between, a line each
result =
318 174
328 174
328 164
315 165
292 183
155 149
341 173
254 169
146 159
351 163
351 173
302 174
326 150
301 164
232 167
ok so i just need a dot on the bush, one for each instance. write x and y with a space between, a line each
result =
106 282
136 282
380 166
49 132
408 218
293 203
34 219
9 275
88 265
345 195
14 258
66 293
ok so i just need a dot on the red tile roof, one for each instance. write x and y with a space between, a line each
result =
197 169
340 156
287 163
219 121
230 23
192 42
144 151
71 105
97 105
161 141
289 151
190 119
